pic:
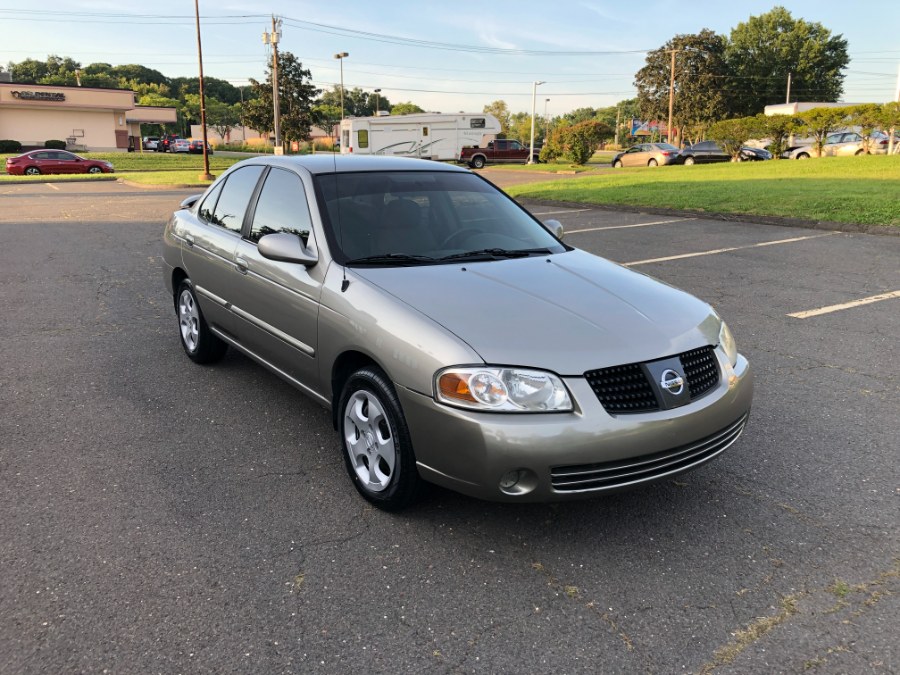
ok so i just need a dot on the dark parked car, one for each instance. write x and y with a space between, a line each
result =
708 152
197 148
164 143
453 336
38 162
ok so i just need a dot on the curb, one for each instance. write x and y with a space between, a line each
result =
858 228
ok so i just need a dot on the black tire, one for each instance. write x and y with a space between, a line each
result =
95 169
369 414
478 162
535 159
32 171
652 162
198 341
689 161
803 155
617 164
860 152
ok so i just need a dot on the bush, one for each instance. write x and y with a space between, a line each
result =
10 146
55 144
576 142
734 133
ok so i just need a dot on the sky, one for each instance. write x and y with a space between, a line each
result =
443 56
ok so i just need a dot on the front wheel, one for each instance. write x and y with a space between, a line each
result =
199 342
652 162
803 155
378 452
689 161
95 169
32 171
617 164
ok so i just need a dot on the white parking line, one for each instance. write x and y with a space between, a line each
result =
625 227
724 250
550 213
845 305
51 185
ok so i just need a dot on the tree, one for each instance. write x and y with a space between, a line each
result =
222 117
764 49
500 110
407 108
867 118
889 119
701 76
777 128
822 121
733 134
295 96
357 103
576 142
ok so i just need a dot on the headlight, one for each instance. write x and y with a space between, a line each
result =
726 341
495 389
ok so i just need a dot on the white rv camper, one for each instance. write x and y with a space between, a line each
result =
426 135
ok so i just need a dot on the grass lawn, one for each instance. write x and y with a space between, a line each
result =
842 189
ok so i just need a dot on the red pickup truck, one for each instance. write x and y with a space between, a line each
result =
498 152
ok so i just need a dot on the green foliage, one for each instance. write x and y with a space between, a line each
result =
889 119
701 73
296 94
733 134
357 103
778 129
55 144
7 145
820 122
500 110
866 118
407 108
575 142
763 50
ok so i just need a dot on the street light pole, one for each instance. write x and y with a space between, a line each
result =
534 86
340 57
206 175
273 40
377 101
546 120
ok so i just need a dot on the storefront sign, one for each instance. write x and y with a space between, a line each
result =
39 95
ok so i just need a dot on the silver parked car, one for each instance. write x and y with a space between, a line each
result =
841 144
455 338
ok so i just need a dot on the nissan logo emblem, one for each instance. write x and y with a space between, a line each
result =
672 382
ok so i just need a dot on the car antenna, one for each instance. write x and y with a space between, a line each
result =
337 191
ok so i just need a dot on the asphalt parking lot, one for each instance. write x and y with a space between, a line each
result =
164 517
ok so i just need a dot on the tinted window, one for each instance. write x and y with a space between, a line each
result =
209 204
41 155
706 146
515 145
281 207
232 203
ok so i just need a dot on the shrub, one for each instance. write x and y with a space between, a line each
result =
732 134
576 142
10 146
55 144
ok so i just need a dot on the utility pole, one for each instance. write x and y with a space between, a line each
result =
788 97
206 175
534 87
618 124
340 57
671 96
273 38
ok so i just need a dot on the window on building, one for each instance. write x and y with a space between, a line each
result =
362 138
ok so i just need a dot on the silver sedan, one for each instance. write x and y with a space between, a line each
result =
456 339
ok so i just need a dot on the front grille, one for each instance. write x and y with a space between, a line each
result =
623 389
635 470
626 389
701 370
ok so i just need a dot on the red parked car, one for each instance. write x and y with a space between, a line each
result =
37 162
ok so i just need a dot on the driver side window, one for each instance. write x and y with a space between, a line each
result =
282 207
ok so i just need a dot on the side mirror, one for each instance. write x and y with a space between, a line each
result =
190 201
556 228
285 247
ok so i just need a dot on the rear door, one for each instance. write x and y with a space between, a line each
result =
277 303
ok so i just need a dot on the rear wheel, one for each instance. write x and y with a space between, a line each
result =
378 452
617 164
652 162
860 152
32 171
689 161
803 155
478 162
199 342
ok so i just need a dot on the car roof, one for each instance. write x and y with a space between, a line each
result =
328 163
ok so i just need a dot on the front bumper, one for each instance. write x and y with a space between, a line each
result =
559 456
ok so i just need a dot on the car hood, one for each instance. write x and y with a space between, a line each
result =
568 313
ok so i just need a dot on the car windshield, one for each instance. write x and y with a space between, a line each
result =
426 217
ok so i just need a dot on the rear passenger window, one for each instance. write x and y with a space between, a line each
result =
235 196
281 207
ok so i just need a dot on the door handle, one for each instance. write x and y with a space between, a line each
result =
189 239
242 264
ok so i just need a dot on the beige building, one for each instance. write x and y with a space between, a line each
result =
88 119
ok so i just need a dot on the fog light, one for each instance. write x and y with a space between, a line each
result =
510 479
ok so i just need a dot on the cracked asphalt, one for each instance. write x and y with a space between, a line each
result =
160 517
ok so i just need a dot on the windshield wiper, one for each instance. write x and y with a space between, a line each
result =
392 259
496 254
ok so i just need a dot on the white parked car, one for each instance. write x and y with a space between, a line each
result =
180 145
841 144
